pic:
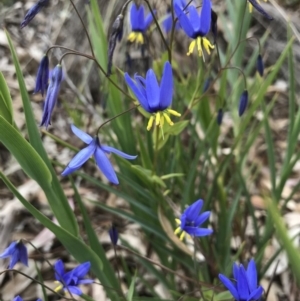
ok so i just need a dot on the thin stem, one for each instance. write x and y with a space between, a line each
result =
111 119
62 47
196 269
80 54
84 27
240 70
252 38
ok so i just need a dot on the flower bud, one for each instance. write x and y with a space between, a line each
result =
220 116
243 103
113 234
260 65
42 77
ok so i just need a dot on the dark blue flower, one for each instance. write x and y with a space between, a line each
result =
52 95
245 286
113 234
243 103
33 11
69 281
191 219
154 99
42 77
220 116
196 26
139 23
18 253
258 7
260 65
99 151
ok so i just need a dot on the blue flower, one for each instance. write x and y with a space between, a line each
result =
113 234
190 221
154 99
196 26
167 23
52 95
245 286
18 253
258 7
243 103
33 11
69 281
139 24
18 298
99 151
42 77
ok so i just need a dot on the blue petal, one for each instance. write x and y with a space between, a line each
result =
194 18
198 232
140 18
193 211
137 92
242 284
86 138
202 218
148 21
243 103
256 294
74 290
183 221
205 18
230 286
166 87
109 149
14 259
9 251
105 166
23 256
80 158
167 23
252 275
18 298
85 281
81 270
235 271
184 21
59 270
134 17
152 90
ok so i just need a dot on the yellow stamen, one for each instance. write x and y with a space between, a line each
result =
199 46
207 45
173 112
59 288
136 36
191 47
182 235
150 123
157 118
178 221
168 119
162 121
177 231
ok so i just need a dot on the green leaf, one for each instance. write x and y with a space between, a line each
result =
24 153
6 109
131 288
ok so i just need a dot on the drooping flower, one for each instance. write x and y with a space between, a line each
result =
42 77
245 286
33 11
191 220
113 234
154 99
52 95
196 26
69 281
139 23
260 65
99 151
258 7
18 253
220 116
243 102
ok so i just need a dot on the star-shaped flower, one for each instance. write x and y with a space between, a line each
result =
69 281
244 288
139 23
154 99
18 253
195 26
191 220
99 151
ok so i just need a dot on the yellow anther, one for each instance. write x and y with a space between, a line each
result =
59 288
168 119
136 36
157 118
182 235
173 112
199 46
178 221
191 47
207 45
177 231
150 123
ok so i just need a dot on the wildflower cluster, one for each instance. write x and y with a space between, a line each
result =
153 94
